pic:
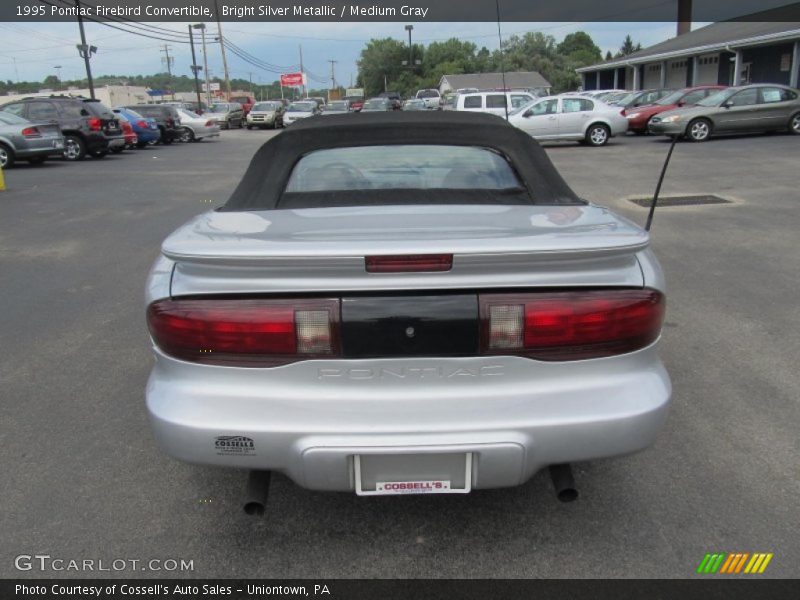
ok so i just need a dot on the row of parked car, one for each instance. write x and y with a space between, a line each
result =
73 127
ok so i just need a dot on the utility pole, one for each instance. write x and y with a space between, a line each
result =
251 81
202 28
409 28
168 60
224 56
333 78
85 51
195 69
303 72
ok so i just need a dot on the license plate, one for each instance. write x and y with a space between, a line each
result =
112 125
400 474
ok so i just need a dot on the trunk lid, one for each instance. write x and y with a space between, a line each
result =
324 249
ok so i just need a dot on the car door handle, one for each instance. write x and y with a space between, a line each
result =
551 118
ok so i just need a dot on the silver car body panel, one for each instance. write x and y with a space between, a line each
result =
310 418
571 126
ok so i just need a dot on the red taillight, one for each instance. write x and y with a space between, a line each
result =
31 132
170 122
570 325
239 332
141 124
409 263
126 127
95 124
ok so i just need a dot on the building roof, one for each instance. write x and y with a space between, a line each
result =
513 79
710 38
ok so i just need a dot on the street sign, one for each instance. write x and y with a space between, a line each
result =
214 87
293 79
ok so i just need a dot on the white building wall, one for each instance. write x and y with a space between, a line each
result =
707 69
652 76
677 70
110 95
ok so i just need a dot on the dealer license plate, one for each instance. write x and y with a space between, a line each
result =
428 473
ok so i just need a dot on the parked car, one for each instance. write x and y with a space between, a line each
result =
146 128
166 116
492 102
449 101
600 94
420 304
639 118
21 139
321 102
744 109
415 104
394 98
88 126
196 128
337 107
247 102
300 110
432 98
640 98
377 105
266 114
226 114
131 139
356 103
576 118
192 107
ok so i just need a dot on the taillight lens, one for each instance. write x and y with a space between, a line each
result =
245 332
570 325
409 263
141 124
170 122
31 132
95 124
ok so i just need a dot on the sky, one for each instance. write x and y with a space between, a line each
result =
31 51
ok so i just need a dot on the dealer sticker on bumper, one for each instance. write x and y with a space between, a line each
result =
412 487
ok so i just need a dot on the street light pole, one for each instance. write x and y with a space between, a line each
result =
224 56
202 28
58 74
85 51
195 69
409 28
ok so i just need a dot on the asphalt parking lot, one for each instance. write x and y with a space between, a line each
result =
84 479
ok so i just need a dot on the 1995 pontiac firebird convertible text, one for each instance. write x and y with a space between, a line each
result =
405 303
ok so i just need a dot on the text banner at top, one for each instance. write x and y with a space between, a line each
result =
391 10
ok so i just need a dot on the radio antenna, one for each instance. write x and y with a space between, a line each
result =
502 62
660 181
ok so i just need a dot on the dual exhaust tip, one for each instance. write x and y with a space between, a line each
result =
255 502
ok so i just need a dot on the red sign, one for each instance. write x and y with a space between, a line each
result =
292 79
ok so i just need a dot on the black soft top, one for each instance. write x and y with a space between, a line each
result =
263 184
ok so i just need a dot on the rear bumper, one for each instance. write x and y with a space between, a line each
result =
309 419
40 147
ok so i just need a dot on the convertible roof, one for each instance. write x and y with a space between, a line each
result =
263 184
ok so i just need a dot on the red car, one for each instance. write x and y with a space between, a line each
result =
247 102
639 117
356 103
131 139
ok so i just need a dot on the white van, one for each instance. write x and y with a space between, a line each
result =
493 102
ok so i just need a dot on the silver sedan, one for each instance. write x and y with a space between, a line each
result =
574 118
195 127
22 139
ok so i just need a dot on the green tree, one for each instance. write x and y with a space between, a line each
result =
628 47
579 48
381 60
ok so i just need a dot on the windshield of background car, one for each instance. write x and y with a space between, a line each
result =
265 106
427 94
220 108
671 98
410 166
302 107
185 114
340 106
376 104
99 109
717 98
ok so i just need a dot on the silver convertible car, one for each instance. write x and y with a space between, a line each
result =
405 303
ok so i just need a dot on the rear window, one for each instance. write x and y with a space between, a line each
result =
424 167
98 109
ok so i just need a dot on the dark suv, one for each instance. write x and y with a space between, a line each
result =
166 116
89 127
395 99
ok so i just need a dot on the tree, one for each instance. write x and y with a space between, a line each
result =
628 47
579 48
609 56
381 59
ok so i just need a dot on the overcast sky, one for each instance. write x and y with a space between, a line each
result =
38 47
